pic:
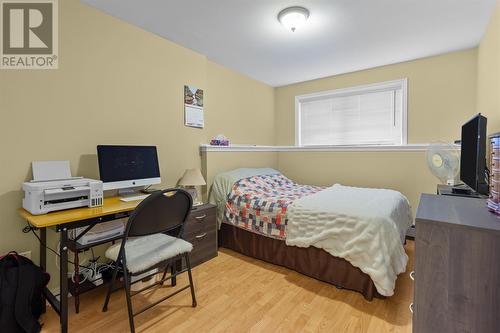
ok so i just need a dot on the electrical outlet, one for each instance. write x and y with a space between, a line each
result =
26 254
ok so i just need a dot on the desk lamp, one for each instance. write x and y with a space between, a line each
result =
190 180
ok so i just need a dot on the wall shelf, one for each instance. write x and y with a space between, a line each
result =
256 148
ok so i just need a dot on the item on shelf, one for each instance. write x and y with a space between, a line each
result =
99 232
146 279
220 140
493 202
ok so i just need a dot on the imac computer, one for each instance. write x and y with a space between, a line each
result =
128 169
473 171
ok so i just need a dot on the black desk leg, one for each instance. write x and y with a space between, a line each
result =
43 259
63 280
76 283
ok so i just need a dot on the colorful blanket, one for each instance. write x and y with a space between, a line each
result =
259 203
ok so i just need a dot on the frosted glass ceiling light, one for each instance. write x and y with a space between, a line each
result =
293 17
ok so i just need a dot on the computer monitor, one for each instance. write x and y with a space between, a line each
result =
473 154
128 167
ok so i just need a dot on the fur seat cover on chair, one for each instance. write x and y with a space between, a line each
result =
147 251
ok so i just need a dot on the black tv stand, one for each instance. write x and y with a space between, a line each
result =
458 192
461 190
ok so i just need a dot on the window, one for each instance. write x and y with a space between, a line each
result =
365 115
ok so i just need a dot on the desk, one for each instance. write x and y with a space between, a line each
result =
200 230
62 222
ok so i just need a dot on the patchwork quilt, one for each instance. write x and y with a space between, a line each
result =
259 203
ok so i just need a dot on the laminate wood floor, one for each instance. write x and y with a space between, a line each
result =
240 294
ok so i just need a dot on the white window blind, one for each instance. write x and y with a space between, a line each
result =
367 115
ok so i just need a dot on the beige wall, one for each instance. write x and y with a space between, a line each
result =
401 171
488 85
115 84
242 109
441 96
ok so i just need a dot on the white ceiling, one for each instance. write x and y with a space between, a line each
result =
340 36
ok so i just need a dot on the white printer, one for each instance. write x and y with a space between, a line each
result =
53 189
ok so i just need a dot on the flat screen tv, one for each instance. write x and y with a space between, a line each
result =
473 154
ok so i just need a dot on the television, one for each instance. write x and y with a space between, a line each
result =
128 167
473 171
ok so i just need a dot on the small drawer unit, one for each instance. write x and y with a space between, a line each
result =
201 231
494 167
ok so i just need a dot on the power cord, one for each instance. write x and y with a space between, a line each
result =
149 190
93 272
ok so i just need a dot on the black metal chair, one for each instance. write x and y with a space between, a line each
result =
157 225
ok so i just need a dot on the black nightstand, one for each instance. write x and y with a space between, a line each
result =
201 231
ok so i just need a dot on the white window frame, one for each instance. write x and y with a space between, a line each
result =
368 88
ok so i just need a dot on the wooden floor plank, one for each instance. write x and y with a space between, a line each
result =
240 294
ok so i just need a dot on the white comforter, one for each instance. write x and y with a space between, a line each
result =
360 225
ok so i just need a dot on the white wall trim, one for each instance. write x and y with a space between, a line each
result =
297 120
381 86
404 111
255 148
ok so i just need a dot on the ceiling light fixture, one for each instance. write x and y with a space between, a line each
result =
293 17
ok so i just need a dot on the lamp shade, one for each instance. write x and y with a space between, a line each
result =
192 177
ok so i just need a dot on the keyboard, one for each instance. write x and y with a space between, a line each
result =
134 198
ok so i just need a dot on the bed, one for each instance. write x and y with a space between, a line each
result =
349 237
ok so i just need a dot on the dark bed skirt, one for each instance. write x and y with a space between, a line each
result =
310 261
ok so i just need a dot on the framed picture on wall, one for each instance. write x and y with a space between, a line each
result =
193 107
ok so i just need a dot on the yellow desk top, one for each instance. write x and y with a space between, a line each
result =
111 205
